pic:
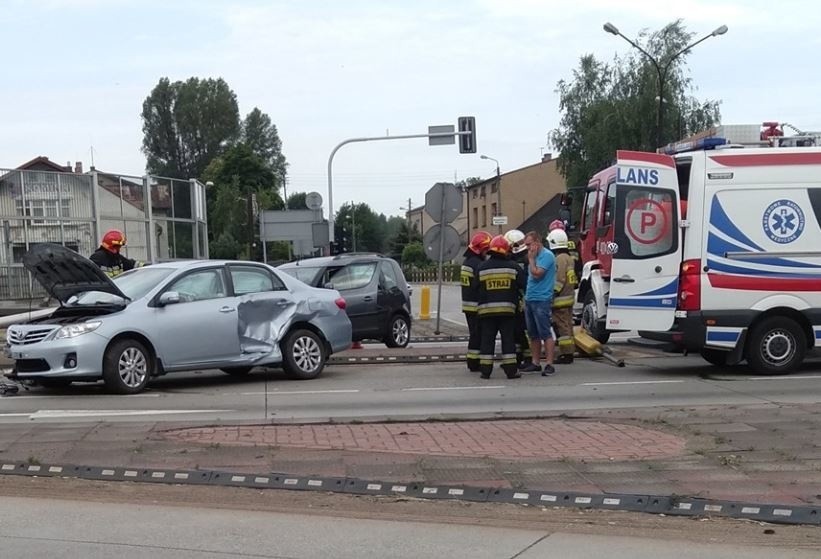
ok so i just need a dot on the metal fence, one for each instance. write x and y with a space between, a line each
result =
163 219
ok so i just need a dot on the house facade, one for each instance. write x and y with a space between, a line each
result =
44 202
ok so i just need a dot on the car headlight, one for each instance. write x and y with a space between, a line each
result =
74 330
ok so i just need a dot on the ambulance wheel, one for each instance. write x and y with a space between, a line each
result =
715 356
590 319
776 346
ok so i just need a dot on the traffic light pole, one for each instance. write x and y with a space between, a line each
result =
331 236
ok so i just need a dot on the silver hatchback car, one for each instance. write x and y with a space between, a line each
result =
169 317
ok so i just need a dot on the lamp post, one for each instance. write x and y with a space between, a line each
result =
498 188
661 71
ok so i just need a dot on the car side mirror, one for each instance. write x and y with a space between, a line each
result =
410 289
169 298
328 285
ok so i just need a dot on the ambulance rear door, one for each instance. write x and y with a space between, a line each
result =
646 245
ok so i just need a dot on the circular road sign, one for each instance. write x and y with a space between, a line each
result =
451 247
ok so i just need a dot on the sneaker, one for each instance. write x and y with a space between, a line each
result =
548 370
531 368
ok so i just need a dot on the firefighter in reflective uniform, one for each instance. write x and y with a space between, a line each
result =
469 278
518 253
571 245
108 256
563 295
500 282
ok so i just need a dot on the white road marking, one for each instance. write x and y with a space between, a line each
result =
14 414
786 378
278 393
451 388
625 383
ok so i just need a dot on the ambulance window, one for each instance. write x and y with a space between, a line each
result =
683 167
646 223
609 203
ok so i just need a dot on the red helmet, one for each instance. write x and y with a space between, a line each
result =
113 240
499 245
556 224
480 242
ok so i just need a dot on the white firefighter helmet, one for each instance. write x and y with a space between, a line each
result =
516 239
557 239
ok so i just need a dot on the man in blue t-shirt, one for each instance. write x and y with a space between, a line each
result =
538 302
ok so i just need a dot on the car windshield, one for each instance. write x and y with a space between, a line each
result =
134 284
302 273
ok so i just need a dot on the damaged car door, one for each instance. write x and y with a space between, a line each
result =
197 320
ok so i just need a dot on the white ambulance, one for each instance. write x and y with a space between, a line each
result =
717 245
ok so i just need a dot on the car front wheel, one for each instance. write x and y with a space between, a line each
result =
303 355
398 334
127 367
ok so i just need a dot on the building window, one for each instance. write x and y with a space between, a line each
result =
493 209
476 217
43 208
493 188
475 193
484 216
483 193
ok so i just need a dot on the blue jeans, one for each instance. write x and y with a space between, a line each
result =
537 319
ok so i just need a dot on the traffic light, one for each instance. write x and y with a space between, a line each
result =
467 142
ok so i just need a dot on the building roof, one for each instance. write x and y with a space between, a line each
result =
43 163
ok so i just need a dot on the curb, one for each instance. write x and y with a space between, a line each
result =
653 504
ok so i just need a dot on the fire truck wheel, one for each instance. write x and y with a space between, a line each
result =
776 346
590 319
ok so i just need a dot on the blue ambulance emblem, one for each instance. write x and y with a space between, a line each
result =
783 221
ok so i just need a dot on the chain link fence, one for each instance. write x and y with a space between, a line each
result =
162 218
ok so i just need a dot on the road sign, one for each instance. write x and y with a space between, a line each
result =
442 140
450 248
499 220
452 197
313 200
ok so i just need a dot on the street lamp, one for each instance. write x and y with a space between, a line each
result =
498 188
661 71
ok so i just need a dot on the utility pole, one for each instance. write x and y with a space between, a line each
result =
353 225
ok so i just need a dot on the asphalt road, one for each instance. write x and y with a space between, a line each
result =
370 391
34 528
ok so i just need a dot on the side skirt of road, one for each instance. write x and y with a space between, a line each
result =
669 505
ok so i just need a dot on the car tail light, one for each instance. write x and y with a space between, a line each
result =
340 302
689 287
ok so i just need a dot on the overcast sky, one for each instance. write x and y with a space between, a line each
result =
75 73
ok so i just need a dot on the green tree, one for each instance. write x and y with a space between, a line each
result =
240 175
414 255
260 134
361 221
402 237
611 106
296 201
187 124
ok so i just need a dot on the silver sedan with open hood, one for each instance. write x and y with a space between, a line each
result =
176 316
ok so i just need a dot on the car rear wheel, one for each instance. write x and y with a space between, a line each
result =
127 367
303 355
776 346
236 371
398 333
590 319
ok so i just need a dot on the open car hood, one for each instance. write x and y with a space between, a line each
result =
63 273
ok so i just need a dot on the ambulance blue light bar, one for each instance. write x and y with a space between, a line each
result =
710 142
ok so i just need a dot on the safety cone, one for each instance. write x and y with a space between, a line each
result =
356 345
